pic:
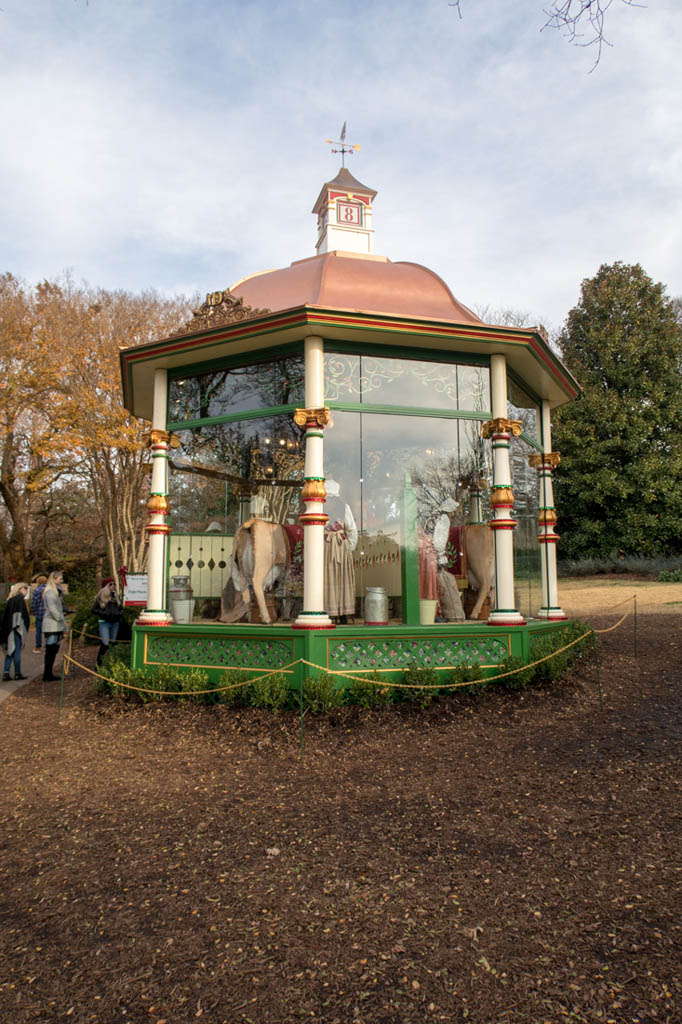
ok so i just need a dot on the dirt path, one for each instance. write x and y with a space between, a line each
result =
511 858
602 593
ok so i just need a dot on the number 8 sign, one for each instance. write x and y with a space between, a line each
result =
348 213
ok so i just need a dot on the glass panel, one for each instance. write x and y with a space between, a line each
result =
527 569
522 407
341 377
410 382
367 458
239 389
474 388
222 475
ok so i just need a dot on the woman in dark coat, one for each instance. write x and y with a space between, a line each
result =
14 629
109 611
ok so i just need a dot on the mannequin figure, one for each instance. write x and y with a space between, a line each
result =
449 597
340 541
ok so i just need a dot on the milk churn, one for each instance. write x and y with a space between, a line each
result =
181 599
376 606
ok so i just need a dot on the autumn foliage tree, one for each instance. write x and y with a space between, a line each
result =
68 448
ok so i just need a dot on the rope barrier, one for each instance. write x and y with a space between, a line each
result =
447 668
352 676
94 636
288 670
609 629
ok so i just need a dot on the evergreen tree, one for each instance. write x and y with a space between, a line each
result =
619 485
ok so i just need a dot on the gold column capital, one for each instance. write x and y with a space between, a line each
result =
312 417
551 459
500 425
156 436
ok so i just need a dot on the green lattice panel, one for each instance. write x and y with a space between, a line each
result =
218 652
535 639
397 653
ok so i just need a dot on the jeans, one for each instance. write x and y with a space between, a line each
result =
15 657
52 638
39 632
108 631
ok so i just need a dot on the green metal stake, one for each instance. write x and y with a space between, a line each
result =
300 704
596 662
636 650
61 694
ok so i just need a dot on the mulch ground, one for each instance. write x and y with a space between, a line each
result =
509 858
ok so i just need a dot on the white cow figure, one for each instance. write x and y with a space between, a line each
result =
479 552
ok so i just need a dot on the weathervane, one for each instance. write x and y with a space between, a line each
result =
342 143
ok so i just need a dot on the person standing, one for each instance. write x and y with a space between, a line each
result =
14 629
109 611
54 623
38 610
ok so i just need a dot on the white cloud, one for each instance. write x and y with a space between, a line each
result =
180 146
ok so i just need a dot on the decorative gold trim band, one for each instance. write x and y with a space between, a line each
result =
314 490
158 504
502 497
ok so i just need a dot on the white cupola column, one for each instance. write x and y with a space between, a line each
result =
500 430
156 614
545 464
314 418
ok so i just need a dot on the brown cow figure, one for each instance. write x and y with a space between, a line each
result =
259 557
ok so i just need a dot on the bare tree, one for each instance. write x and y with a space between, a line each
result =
583 21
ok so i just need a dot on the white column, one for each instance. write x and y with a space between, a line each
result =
156 614
315 417
547 537
500 430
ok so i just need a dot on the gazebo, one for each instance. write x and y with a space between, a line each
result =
371 419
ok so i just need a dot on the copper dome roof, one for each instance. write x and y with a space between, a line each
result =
371 284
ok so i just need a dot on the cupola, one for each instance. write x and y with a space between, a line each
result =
344 215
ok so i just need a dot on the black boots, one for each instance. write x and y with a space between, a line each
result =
50 655
103 648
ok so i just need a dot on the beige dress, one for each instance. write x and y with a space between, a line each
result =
339 572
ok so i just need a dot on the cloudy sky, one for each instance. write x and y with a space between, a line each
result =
180 145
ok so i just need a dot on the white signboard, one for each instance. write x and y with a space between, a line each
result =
136 590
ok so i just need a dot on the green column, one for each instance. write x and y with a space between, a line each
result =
409 557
